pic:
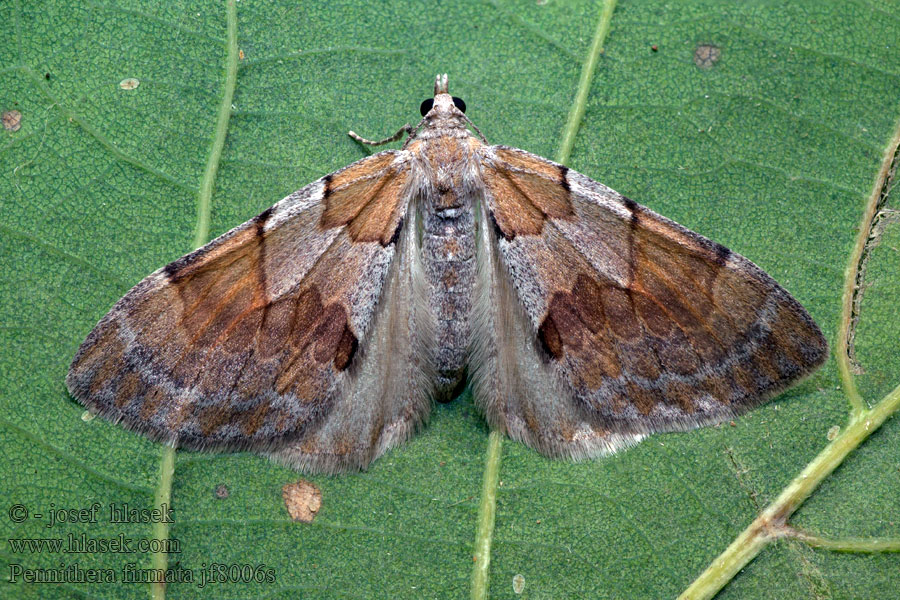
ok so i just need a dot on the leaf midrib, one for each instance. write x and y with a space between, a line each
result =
163 492
488 504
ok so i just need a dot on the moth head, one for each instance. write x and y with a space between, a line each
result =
443 104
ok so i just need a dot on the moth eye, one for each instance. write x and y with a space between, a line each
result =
426 106
458 102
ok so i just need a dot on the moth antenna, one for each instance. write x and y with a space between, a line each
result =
405 129
475 127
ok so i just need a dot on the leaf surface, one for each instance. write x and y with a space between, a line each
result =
771 149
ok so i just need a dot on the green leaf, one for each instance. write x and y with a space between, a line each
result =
772 149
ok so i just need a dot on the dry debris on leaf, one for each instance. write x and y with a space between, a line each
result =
302 500
12 120
706 55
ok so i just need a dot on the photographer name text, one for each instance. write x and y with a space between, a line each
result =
113 513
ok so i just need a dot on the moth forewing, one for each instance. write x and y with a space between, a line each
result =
247 342
649 326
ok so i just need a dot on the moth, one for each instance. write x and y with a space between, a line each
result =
319 332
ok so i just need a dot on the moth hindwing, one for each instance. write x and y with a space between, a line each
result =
319 332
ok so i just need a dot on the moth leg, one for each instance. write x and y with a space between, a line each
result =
405 129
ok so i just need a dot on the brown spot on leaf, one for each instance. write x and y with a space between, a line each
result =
706 55
302 500
12 120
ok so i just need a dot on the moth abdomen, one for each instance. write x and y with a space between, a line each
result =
448 252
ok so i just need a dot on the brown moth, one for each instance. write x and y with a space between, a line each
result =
319 332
